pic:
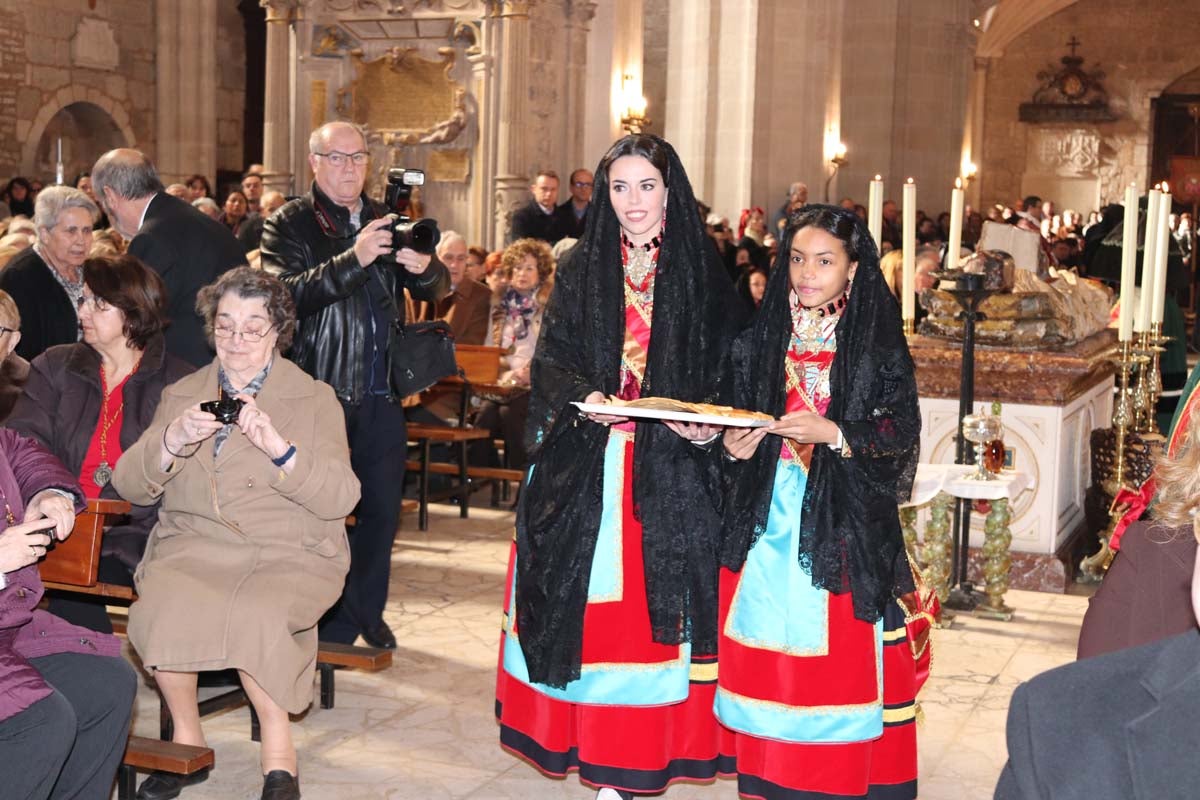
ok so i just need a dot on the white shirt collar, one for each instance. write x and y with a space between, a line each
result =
146 208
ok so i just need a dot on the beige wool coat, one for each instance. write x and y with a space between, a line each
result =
244 559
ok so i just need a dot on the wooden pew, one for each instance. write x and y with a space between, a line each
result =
152 754
71 565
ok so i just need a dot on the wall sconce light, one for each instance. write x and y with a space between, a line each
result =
634 120
970 171
838 160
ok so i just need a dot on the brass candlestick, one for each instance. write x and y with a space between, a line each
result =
1124 414
1141 390
910 327
1156 347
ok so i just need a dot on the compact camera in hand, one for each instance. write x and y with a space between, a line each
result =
226 410
421 235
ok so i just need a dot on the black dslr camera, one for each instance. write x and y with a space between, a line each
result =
421 235
226 409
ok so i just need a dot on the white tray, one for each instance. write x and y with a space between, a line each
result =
678 416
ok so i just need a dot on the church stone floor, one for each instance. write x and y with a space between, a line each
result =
425 729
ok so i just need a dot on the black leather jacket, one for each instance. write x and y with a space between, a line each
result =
309 245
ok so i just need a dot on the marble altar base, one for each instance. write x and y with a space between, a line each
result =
1052 402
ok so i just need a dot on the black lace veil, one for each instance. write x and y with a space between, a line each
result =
677 486
850 529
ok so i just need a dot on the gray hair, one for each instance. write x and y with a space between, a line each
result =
129 173
205 202
251 284
54 200
449 238
315 140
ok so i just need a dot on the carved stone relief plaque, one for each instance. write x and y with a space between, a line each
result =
405 98
1069 153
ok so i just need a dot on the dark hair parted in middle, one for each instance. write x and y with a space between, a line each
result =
640 144
251 284
124 282
835 221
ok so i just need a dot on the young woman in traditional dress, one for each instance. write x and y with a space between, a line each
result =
607 662
817 677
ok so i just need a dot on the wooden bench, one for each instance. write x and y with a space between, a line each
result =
331 656
427 435
149 755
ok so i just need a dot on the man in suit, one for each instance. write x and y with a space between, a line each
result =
1120 725
572 215
538 220
187 249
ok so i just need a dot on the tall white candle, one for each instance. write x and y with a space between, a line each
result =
875 210
1128 263
909 245
956 225
1161 251
1149 245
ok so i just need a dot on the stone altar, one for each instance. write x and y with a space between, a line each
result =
1052 402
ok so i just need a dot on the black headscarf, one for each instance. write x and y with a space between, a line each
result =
850 529
677 486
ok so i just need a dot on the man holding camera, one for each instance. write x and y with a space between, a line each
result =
334 248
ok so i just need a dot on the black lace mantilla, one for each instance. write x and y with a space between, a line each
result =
850 528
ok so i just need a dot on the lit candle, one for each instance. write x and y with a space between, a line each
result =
1128 263
909 246
1149 245
956 225
1161 250
875 210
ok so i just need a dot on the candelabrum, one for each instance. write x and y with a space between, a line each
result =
1125 413
910 327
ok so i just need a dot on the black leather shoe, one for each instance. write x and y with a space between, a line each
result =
279 784
379 635
165 785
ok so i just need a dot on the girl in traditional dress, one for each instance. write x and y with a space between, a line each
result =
607 659
817 677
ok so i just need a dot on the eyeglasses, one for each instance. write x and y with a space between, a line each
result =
97 303
4 330
340 160
581 185
251 335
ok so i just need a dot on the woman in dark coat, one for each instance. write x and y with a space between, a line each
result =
90 401
66 695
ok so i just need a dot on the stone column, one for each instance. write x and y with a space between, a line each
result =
972 150
277 118
688 115
482 58
186 89
512 179
579 17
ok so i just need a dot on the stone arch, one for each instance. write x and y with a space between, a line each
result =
1187 83
68 96
1011 18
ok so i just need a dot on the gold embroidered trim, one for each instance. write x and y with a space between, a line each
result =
900 714
703 673
804 711
619 540
775 647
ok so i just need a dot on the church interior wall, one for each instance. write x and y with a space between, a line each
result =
56 53
1141 47
231 87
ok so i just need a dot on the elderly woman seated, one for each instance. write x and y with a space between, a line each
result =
89 401
250 461
527 268
65 693
46 281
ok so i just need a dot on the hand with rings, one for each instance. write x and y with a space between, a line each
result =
23 544
191 427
